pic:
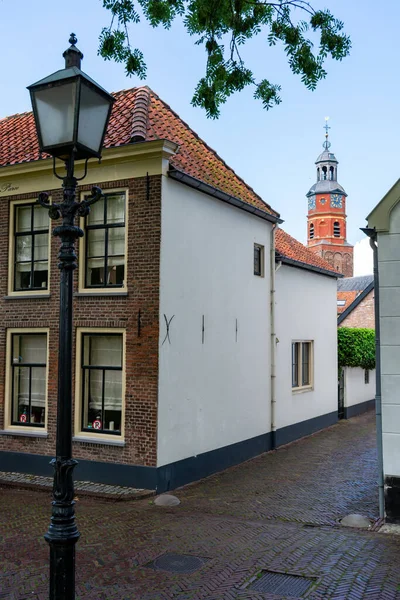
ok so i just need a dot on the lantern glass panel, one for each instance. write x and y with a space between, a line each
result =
93 113
56 113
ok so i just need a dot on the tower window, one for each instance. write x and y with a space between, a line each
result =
311 231
331 173
324 173
318 174
336 229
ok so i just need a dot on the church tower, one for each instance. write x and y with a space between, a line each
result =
326 221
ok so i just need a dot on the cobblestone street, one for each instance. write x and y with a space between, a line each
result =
278 512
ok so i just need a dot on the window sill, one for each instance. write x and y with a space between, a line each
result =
33 296
96 440
104 292
39 434
303 390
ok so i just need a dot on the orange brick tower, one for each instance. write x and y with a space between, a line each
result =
326 221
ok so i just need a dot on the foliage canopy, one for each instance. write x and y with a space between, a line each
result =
222 27
356 348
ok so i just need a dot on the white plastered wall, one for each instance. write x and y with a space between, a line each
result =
215 393
389 288
356 390
305 310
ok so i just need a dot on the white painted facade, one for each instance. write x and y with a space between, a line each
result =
214 386
306 310
356 391
389 288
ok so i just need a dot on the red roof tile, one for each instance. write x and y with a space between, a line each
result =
138 112
348 298
290 248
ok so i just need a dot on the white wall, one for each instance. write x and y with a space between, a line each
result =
217 393
389 288
305 310
355 388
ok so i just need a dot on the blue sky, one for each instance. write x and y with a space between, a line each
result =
273 151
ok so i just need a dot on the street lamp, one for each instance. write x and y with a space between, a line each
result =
71 113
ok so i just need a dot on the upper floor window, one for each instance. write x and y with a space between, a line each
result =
28 378
30 247
311 231
259 260
336 229
105 255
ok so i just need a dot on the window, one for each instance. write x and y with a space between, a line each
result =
341 302
101 381
311 231
258 260
366 376
29 248
336 229
302 365
27 387
105 253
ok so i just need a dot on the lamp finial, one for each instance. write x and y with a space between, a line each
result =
73 55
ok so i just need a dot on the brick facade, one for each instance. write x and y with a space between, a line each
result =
363 315
107 311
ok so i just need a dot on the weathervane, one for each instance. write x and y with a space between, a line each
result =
326 143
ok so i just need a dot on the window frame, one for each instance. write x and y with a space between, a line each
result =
260 248
102 290
366 376
9 425
84 433
14 204
300 387
336 229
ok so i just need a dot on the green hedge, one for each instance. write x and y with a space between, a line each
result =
356 348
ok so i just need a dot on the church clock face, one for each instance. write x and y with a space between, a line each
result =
336 200
311 203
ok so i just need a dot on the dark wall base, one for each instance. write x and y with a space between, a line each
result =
392 499
169 477
299 430
358 409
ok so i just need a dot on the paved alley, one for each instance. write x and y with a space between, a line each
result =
277 513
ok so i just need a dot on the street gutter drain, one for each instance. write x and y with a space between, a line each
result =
177 563
279 583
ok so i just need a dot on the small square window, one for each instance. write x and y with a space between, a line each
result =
258 260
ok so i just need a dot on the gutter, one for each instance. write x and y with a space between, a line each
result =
197 184
355 302
273 268
306 266
372 234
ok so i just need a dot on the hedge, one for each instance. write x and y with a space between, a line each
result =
356 348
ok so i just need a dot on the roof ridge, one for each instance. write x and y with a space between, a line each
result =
23 114
140 115
168 107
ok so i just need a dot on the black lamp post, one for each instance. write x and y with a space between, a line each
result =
71 114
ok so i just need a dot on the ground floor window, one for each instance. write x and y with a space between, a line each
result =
302 364
28 378
101 378
366 376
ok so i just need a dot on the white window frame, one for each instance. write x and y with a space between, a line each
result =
104 291
85 435
11 254
303 387
39 431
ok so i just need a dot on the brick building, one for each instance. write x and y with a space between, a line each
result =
174 335
355 302
326 221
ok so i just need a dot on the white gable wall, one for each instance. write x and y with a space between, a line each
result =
306 310
389 287
215 393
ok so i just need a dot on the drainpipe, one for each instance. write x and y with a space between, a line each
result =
371 233
273 338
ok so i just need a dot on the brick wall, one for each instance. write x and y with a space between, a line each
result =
363 315
143 272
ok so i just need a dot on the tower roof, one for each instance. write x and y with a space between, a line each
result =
326 155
